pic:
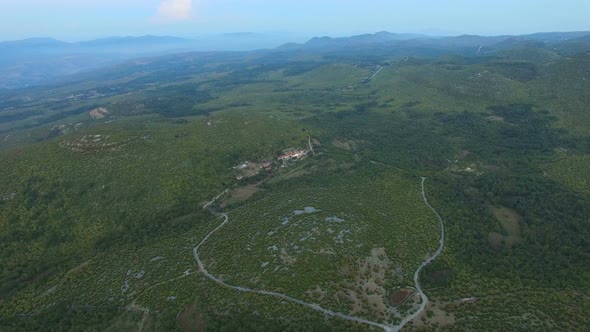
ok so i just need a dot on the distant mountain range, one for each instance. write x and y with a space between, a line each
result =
143 44
387 39
37 61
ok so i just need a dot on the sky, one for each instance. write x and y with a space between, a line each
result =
73 20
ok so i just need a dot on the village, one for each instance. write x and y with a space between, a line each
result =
252 168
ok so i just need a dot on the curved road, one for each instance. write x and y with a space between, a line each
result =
426 262
316 307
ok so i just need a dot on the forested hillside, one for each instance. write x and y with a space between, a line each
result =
104 178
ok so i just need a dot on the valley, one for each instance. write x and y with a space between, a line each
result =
398 185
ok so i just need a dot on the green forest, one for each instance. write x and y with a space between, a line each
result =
104 180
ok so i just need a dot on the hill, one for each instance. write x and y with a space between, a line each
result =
40 61
300 188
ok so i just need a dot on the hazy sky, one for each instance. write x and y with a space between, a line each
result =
84 19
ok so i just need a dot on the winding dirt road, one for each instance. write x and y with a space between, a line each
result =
437 253
275 294
318 308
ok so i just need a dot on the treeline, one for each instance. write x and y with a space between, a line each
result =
391 138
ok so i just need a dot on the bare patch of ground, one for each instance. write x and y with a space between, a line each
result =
317 294
495 118
433 317
347 145
249 169
99 113
364 287
496 240
92 143
78 268
240 194
400 296
191 320
286 258
509 219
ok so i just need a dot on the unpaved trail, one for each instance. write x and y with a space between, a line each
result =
310 145
215 199
438 251
313 306
275 294
375 74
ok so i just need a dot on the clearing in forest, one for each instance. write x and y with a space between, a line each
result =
509 220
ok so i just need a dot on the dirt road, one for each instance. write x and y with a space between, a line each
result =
316 307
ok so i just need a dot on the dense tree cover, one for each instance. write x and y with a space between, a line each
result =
554 228
17 116
61 207
509 134
177 100
523 71
394 139
45 215
508 144
64 318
